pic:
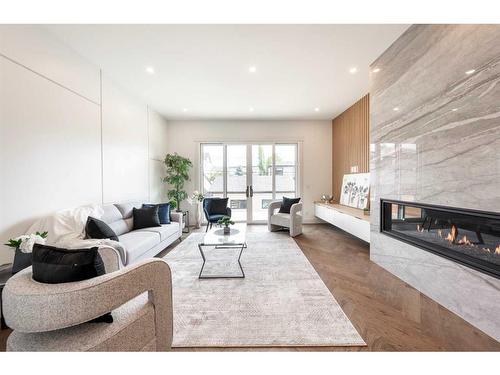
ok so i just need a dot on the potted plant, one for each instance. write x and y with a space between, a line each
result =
24 246
226 222
196 198
177 174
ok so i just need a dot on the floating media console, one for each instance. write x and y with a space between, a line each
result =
351 220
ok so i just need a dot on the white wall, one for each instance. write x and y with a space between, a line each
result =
56 149
315 137
125 145
157 150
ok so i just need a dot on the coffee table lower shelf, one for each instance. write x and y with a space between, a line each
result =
239 247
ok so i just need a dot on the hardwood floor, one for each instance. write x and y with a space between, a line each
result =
389 314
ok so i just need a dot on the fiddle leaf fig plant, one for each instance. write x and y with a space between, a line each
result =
177 168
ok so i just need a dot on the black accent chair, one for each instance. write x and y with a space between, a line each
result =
217 210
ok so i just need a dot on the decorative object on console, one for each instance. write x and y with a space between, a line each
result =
146 217
325 198
163 211
53 265
355 190
197 199
24 246
226 222
177 174
98 229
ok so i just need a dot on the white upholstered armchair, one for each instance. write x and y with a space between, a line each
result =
51 317
292 221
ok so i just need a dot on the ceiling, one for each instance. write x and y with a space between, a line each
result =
203 71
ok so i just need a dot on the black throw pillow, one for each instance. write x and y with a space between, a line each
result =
98 229
53 265
163 211
287 204
146 217
218 206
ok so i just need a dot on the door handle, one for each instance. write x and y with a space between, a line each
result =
247 191
251 191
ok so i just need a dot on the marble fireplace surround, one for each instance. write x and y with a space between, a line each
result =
435 138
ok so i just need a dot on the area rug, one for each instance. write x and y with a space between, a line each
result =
281 302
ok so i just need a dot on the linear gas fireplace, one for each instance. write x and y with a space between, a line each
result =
466 236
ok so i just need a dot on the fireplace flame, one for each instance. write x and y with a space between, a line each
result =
452 236
465 241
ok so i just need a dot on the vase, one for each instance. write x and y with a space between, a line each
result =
227 230
198 216
21 261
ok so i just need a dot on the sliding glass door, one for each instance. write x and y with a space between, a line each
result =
251 175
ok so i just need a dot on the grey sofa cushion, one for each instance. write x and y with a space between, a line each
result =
165 231
111 214
139 242
114 218
127 208
132 330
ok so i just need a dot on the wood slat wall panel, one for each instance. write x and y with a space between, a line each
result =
351 142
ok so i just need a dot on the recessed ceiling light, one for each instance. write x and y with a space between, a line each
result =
316 109
184 109
353 70
395 109
455 109
150 70
376 70
470 71
252 69
250 109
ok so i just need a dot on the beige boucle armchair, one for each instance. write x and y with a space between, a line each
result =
292 221
51 317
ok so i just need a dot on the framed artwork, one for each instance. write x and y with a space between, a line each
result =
355 190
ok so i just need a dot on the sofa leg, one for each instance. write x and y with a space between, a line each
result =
207 227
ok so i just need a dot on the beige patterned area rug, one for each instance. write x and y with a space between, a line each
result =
281 302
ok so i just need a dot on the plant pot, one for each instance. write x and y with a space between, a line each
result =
21 261
197 224
227 230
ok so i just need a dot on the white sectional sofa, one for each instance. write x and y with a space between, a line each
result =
142 243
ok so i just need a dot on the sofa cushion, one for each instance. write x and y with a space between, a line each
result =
127 208
114 218
111 214
163 211
121 226
95 228
53 265
287 203
217 206
146 217
165 231
281 219
139 242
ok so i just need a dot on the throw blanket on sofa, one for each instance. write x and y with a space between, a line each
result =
66 228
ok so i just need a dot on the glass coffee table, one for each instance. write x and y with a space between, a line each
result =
215 238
